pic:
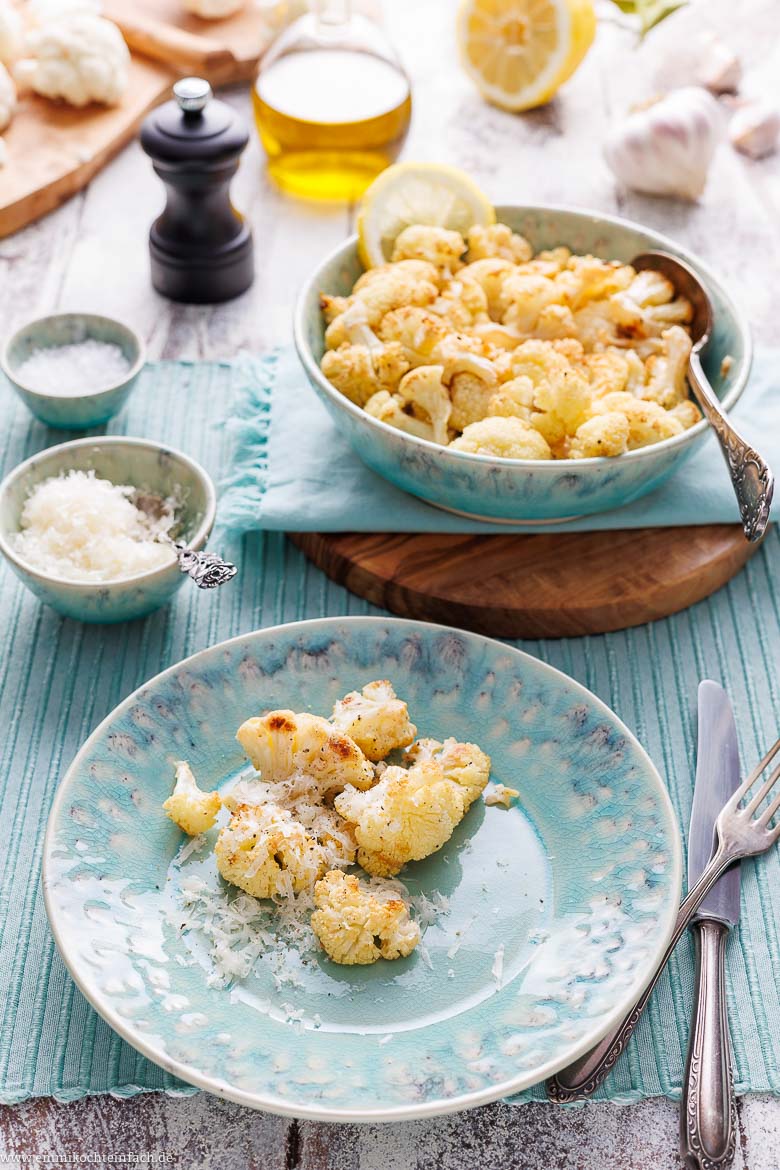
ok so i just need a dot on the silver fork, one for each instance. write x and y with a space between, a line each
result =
740 832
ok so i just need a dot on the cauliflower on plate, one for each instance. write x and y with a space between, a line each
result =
213 9
282 742
506 438
357 926
667 372
408 815
11 32
7 97
188 806
497 241
375 718
604 434
80 58
463 763
647 421
436 245
266 852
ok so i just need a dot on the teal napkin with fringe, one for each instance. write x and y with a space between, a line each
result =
61 678
294 471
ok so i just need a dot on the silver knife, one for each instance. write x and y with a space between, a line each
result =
708 1109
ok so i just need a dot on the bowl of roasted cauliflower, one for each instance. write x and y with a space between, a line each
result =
523 372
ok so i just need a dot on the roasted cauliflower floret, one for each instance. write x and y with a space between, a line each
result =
608 372
527 295
491 275
423 392
586 278
375 718
360 371
647 421
463 763
506 438
470 396
436 245
358 926
267 853
497 241
282 742
378 292
462 303
389 408
667 371
555 322
686 412
648 306
604 434
188 806
408 815
300 796
513 399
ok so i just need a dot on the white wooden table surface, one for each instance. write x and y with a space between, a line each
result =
91 254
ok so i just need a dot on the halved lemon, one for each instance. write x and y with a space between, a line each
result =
520 52
409 193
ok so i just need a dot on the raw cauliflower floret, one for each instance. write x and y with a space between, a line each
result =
604 434
11 32
408 815
213 9
375 718
191 809
282 742
463 763
647 421
266 852
437 245
667 372
81 58
360 371
497 241
7 97
356 926
506 438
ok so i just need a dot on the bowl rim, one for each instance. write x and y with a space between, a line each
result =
200 535
710 279
88 396
409 1112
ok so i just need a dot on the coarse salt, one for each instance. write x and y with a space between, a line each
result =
81 367
81 528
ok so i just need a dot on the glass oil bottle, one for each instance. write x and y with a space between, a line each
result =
332 103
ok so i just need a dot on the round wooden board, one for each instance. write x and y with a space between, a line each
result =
536 586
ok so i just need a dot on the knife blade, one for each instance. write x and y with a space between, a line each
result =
708 1107
717 776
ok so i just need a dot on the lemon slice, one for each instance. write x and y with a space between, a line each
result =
409 193
520 52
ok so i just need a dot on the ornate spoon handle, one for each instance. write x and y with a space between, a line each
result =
206 569
584 1076
708 1108
751 477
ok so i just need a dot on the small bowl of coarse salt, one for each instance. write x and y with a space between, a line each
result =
73 370
88 525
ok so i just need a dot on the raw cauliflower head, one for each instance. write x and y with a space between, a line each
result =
375 718
408 815
191 809
357 925
80 58
506 438
282 742
436 245
463 763
266 852
11 32
7 97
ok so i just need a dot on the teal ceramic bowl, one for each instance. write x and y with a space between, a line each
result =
520 490
88 408
146 465
557 909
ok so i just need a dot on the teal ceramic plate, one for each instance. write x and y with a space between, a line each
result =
558 908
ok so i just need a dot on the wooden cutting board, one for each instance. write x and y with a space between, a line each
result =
536 586
54 149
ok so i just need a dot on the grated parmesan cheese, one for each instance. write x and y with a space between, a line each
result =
80 528
497 970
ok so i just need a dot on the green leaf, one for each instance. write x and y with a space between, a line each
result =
648 12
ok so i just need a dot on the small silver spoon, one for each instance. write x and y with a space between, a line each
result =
751 476
207 570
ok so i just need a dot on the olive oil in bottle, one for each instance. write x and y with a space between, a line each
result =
332 104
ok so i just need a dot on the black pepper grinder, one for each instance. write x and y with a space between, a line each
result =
201 248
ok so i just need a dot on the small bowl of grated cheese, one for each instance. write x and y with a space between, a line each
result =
73 370
78 528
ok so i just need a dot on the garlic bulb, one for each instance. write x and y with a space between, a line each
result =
755 129
719 69
666 148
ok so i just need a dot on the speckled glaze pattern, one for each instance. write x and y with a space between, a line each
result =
579 882
73 412
146 465
522 490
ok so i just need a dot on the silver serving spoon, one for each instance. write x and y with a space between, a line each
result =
207 570
751 476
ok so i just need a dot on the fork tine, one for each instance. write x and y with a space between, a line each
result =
754 775
767 815
763 792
